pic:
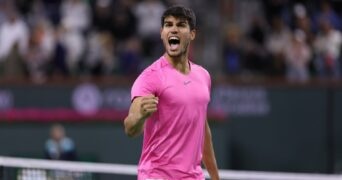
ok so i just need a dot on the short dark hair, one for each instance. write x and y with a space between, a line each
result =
182 13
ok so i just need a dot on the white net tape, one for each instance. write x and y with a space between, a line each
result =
132 170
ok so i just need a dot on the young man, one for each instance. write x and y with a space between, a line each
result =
169 103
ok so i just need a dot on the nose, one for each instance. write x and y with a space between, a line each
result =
174 29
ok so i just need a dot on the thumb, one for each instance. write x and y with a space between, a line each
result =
152 96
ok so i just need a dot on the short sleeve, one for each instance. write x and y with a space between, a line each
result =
209 82
145 84
208 79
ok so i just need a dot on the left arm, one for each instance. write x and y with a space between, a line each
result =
209 159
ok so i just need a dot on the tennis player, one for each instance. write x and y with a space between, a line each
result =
169 104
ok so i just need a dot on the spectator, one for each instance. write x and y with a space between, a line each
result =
74 43
130 57
102 14
76 15
297 57
328 13
75 19
58 63
13 31
232 51
124 22
100 58
59 146
303 22
149 13
39 52
13 43
256 55
328 48
276 43
52 10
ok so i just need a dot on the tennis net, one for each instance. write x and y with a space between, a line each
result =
36 169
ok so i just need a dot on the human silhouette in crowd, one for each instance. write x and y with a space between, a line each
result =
327 12
13 42
327 46
275 44
59 146
232 59
62 47
39 52
148 13
100 58
297 57
256 55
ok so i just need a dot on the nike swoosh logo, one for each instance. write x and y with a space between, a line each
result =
187 82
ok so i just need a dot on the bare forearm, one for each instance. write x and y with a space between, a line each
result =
210 163
141 108
209 159
134 125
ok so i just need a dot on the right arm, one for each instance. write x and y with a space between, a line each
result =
141 109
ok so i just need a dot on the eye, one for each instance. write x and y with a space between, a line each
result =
182 24
167 25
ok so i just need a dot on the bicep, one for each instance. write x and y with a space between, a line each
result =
132 117
135 105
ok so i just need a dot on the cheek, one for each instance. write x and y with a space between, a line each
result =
187 39
163 38
161 35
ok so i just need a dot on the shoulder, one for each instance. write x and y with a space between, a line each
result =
50 143
149 81
200 69
67 144
202 73
154 69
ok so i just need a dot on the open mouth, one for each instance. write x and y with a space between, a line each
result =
174 42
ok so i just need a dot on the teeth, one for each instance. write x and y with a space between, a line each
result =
173 38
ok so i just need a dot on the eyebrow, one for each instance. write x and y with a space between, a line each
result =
180 21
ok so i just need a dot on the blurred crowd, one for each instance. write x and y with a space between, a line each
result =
45 38
298 39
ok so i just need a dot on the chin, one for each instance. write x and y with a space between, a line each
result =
174 54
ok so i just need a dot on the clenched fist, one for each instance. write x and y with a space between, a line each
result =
148 105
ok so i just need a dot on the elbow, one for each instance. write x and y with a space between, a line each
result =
130 131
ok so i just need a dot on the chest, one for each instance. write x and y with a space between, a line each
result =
185 90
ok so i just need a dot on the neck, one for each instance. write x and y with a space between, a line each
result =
180 63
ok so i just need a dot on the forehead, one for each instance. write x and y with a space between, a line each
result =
174 19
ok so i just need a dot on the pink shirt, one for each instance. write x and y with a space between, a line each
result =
174 135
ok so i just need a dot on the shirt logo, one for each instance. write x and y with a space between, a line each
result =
186 82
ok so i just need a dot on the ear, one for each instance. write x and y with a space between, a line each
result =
193 34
